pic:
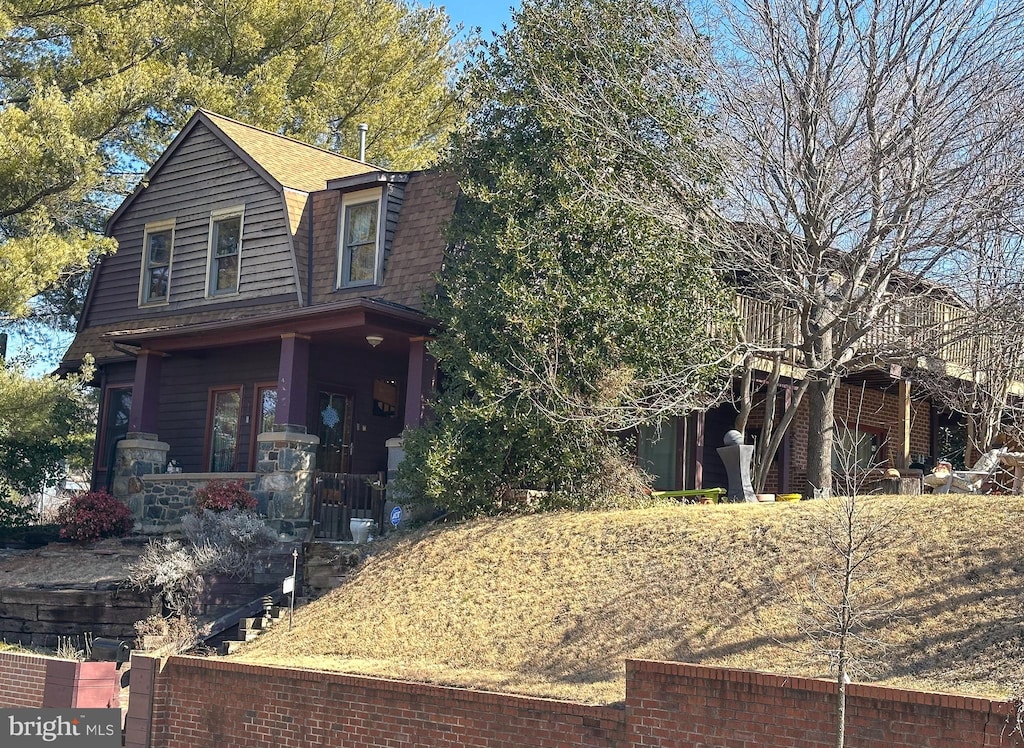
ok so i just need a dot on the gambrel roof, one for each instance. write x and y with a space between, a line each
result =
292 194
284 162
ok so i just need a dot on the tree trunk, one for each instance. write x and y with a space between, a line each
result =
821 396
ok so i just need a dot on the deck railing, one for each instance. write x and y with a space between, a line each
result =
931 327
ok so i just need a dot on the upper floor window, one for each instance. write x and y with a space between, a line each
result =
362 239
225 253
158 246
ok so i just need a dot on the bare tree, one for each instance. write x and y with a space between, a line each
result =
847 599
985 387
862 141
863 135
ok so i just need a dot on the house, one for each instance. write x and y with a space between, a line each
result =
261 318
881 421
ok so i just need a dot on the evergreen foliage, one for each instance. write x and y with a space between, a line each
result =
91 93
570 317
46 427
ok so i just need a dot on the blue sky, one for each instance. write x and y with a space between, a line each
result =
487 14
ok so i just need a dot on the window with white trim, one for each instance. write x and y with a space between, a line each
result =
157 252
225 253
361 240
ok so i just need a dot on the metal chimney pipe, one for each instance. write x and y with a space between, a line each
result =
363 127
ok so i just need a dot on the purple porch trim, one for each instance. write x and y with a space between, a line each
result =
146 392
421 381
292 380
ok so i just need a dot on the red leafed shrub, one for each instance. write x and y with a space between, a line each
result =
220 495
94 515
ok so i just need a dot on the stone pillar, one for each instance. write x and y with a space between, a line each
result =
138 454
285 462
737 457
396 453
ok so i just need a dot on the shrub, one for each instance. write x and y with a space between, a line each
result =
94 515
220 495
238 536
15 511
176 568
166 636
215 542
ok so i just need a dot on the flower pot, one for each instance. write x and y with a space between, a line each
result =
766 497
360 529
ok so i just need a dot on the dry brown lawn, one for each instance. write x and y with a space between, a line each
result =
554 604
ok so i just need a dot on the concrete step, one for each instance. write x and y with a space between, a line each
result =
230 647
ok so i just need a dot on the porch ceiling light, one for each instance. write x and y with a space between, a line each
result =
374 340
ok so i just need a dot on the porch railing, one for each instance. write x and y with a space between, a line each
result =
338 497
931 325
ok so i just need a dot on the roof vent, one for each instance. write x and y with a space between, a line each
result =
363 127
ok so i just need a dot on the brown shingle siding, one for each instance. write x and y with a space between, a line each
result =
416 251
418 248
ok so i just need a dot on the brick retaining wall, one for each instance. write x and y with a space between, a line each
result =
677 705
30 681
216 704
22 680
179 704
204 703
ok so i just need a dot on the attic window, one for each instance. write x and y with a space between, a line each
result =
361 239
157 249
225 253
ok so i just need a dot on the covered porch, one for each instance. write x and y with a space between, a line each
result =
271 400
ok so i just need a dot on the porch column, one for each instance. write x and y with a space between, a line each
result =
786 448
421 376
903 457
145 392
292 382
695 466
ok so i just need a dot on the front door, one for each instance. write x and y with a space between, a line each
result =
334 414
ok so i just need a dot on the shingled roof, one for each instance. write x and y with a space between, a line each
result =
284 162
292 163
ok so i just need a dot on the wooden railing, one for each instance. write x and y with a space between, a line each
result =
338 497
935 329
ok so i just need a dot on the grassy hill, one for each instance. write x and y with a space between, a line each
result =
553 604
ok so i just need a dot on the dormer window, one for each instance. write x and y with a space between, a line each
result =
362 239
225 253
157 249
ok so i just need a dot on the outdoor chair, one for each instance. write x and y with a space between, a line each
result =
946 480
